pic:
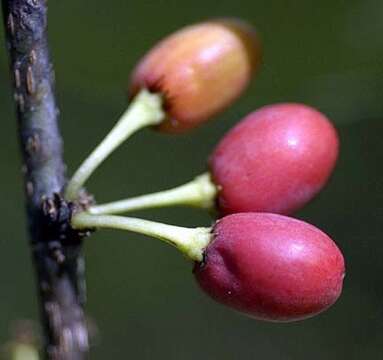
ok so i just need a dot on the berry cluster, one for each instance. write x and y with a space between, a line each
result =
254 258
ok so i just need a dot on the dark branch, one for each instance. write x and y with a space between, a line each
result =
56 248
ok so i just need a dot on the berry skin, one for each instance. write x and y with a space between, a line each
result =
275 160
271 267
200 70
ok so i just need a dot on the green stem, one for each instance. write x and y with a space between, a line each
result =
201 192
145 110
191 242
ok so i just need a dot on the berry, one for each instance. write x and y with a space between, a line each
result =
275 160
271 267
199 70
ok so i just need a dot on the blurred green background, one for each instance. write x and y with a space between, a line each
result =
141 293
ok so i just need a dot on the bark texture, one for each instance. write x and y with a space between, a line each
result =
56 248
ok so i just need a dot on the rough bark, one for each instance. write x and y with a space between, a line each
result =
55 247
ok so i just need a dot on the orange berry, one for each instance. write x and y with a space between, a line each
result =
200 70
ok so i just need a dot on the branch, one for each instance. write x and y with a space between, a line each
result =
56 247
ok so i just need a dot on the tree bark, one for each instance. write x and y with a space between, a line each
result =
56 248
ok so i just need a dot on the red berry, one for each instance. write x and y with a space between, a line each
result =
271 267
275 160
200 70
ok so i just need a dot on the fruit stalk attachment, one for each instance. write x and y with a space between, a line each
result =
145 110
191 242
200 192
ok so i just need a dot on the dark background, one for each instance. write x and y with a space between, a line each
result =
141 293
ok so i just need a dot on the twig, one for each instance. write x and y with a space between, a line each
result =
56 247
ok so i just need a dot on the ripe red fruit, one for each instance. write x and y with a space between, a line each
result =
200 70
275 160
271 267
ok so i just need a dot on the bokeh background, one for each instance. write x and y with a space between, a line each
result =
142 295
